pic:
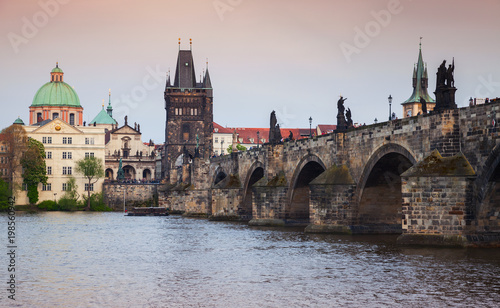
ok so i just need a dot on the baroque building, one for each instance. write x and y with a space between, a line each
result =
189 115
412 106
138 158
56 120
64 102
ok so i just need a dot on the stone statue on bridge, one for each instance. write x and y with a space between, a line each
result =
445 87
348 115
274 130
424 105
341 121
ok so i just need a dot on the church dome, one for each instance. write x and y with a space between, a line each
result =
56 92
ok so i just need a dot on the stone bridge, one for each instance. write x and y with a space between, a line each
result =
433 178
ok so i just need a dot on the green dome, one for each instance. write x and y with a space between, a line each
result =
56 70
103 118
18 121
56 94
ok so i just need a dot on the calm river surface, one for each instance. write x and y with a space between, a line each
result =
109 260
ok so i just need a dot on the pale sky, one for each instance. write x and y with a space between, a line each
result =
294 57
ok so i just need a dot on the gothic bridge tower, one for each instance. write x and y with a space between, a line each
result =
189 112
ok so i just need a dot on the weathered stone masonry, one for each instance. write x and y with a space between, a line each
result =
377 198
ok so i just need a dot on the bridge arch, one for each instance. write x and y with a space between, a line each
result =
487 193
255 173
218 176
308 168
378 193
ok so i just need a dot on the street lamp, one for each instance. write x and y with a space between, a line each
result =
258 139
310 123
375 120
390 102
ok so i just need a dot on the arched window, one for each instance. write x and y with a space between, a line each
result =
71 119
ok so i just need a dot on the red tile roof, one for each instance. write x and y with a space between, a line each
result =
248 135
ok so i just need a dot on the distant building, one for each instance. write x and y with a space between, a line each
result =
247 136
189 115
412 106
4 167
56 120
64 145
138 158
223 138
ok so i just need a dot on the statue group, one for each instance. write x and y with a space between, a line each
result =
274 130
445 87
343 121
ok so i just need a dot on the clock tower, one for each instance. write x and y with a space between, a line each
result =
189 116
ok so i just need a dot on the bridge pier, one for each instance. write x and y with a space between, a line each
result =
269 200
332 195
437 198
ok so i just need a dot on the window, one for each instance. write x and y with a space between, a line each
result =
87 154
46 187
24 187
216 139
216 152
67 140
47 140
67 170
49 170
55 115
89 140
87 187
71 119
65 186
67 155
48 155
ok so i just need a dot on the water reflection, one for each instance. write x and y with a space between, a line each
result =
109 260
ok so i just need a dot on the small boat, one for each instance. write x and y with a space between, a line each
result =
148 211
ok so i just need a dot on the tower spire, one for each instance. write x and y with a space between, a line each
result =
109 109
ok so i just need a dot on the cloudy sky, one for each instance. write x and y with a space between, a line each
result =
292 56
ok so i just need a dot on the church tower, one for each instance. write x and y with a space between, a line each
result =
412 106
189 115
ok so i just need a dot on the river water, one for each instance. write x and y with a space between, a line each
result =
108 260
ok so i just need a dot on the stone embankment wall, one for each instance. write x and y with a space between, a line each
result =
134 195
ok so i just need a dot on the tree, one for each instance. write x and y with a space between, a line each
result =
4 195
92 169
16 141
34 168
71 189
239 147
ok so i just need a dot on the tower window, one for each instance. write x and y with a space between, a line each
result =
185 132
55 115
71 119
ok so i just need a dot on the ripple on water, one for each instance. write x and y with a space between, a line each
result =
109 260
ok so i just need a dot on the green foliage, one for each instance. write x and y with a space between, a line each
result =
33 193
48 205
4 195
67 204
71 189
34 168
97 203
239 147
92 169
